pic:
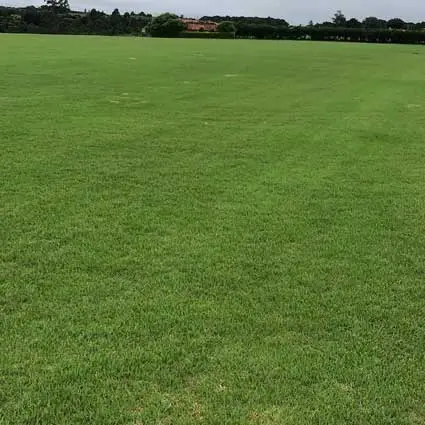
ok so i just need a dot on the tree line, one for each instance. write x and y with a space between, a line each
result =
340 28
338 21
56 17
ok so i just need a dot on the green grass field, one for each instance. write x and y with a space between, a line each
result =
216 232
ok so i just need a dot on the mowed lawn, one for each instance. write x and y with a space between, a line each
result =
216 232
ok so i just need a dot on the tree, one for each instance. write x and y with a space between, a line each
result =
326 24
374 23
396 24
382 23
166 25
419 26
339 19
353 23
31 15
57 6
116 22
239 20
226 26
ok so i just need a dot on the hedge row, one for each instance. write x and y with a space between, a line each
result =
331 34
318 34
216 35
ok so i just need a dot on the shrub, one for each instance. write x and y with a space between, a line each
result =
226 26
205 34
166 25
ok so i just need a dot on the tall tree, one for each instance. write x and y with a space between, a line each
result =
55 7
339 19
116 22
226 26
58 6
372 22
166 25
396 23
353 23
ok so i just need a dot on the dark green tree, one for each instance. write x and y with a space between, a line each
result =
31 16
116 22
396 24
166 25
353 23
339 19
57 6
374 23
226 26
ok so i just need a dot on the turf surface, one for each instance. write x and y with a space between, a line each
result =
217 232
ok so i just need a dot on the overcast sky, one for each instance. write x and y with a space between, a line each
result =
295 11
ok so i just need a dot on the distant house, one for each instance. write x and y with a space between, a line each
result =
196 25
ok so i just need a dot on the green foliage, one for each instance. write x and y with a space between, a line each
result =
339 19
396 23
353 23
242 20
166 25
57 18
331 33
226 26
117 22
57 5
374 23
206 35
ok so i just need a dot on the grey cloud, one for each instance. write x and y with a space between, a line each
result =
295 11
